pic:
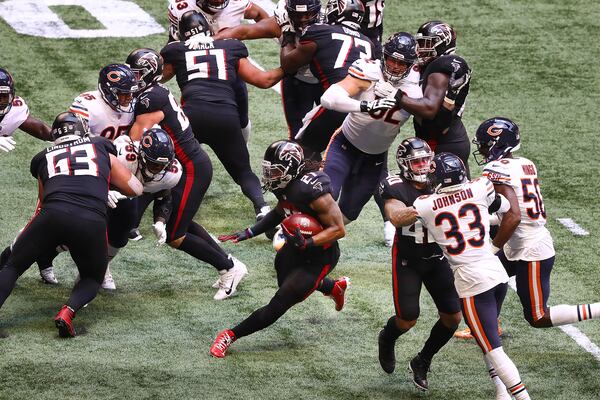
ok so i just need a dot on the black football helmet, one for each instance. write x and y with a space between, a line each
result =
400 48
435 38
495 138
283 161
303 13
212 6
346 12
414 158
157 153
7 92
117 85
146 65
68 126
193 23
447 173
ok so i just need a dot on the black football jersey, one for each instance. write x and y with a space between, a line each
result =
337 48
300 192
372 24
438 128
413 241
208 73
75 176
175 123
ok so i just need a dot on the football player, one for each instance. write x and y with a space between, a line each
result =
357 153
73 178
457 217
156 106
416 261
302 264
205 77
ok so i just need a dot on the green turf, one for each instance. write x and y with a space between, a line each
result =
534 61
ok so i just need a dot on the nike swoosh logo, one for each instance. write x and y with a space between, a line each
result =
378 163
228 291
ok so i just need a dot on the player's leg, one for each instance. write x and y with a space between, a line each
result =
318 127
461 147
143 202
241 98
298 99
340 155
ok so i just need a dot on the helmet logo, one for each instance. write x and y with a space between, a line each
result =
290 152
149 60
114 76
147 141
495 130
301 8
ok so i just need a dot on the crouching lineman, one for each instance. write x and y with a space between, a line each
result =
302 264
457 217
73 178
416 261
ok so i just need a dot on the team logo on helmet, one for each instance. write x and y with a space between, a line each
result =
114 76
147 141
495 130
290 152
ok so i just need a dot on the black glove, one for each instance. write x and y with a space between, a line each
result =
297 239
237 236
458 80
377 105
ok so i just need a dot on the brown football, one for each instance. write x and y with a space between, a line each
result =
309 226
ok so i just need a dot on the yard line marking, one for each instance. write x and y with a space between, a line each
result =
573 226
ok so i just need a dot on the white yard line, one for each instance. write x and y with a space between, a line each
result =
573 226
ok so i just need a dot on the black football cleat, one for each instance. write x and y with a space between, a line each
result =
387 353
419 369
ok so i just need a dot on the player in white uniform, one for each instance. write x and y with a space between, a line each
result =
457 217
356 157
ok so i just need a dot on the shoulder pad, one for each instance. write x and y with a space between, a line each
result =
367 70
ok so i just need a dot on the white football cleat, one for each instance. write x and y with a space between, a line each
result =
230 279
389 232
48 277
108 283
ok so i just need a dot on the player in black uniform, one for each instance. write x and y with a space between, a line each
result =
156 105
445 79
416 261
73 177
330 50
205 77
302 264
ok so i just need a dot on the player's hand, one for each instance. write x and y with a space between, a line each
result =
7 143
237 236
377 105
384 89
495 249
160 230
282 18
458 80
406 216
297 239
196 41
113 198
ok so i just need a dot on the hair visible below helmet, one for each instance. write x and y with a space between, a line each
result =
495 138
7 91
146 65
435 38
401 47
193 23
212 6
303 13
283 161
67 127
414 158
157 153
447 173
115 80
346 12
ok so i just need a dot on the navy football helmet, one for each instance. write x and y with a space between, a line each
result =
68 126
146 65
303 13
399 56
495 138
7 92
212 6
447 173
414 158
193 23
435 38
283 161
157 153
117 85
346 12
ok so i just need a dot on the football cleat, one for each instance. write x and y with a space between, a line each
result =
387 353
230 279
64 322
467 335
222 342
338 294
419 369
135 235
389 232
48 277
108 283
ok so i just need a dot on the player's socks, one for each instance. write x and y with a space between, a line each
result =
203 251
508 373
501 391
566 314
198 230
391 332
439 336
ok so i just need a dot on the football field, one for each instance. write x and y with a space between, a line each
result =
534 61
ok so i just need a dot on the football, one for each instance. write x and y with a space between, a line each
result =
309 226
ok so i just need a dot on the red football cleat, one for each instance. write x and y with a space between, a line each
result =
222 343
338 294
64 322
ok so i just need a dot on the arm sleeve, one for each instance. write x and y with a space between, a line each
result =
336 98
271 220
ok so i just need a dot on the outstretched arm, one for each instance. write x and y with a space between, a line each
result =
264 29
36 128
257 77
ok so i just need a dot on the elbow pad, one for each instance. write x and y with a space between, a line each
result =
336 98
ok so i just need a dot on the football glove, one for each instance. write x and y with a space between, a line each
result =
113 198
237 236
7 143
282 18
196 41
297 239
160 231
384 89
377 105
456 84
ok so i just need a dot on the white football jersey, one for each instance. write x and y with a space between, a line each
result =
102 119
374 133
230 16
15 117
460 223
127 153
531 241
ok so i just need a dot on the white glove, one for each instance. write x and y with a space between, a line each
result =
7 143
495 249
282 18
196 41
384 89
113 198
160 231
377 105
